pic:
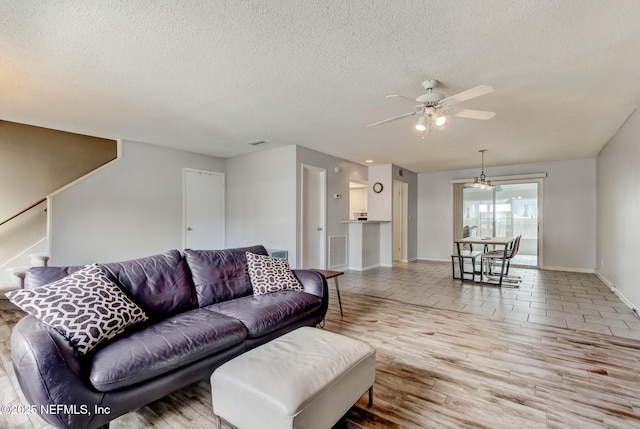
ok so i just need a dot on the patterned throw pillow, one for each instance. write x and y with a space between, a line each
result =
268 274
86 307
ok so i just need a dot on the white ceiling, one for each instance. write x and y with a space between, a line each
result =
211 76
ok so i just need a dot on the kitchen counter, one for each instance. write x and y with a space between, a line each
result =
368 243
365 221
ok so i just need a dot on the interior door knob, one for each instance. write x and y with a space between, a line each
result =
189 228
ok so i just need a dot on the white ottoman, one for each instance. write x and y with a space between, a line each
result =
308 378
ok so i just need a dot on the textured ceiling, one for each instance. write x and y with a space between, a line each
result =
212 76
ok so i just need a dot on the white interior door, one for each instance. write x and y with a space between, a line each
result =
400 220
313 212
397 220
203 210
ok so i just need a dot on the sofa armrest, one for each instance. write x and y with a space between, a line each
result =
50 375
313 282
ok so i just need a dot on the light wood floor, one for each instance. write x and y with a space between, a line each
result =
445 367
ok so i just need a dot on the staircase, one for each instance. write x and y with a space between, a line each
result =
42 161
23 227
15 278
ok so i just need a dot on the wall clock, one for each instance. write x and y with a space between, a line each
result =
377 187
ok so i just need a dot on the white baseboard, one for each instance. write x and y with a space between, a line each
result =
619 294
571 270
339 268
364 268
433 259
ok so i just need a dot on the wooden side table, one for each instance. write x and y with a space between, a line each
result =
333 275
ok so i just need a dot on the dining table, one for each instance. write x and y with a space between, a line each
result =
504 242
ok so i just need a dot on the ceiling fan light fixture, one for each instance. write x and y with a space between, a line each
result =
422 124
433 105
441 120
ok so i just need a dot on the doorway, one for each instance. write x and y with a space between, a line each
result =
203 210
313 217
508 209
400 221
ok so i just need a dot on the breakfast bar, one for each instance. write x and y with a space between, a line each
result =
369 244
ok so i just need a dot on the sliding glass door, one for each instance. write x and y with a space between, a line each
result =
507 210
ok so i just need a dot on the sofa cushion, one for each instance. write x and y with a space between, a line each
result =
163 346
86 307
40 276
160 284
220 275
268 274
267 313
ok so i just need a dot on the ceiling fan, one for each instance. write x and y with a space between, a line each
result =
434 107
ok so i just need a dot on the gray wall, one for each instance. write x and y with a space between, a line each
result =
261 200
37 161
618 234
337 183
129 209
263 197
133 207
569 211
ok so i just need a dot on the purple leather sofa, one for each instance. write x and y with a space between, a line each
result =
202 313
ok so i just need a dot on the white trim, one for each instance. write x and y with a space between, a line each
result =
323 203
619 294
432 259
343 267
23 253
50 205
22 259
571 270
119 155
503 178
402 206
49 226
369 267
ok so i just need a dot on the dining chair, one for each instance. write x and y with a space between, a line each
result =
460 256
504 255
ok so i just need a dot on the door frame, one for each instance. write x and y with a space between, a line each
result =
186 170
402 206
321 194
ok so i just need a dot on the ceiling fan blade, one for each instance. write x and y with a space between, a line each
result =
401 96
467 95
393 119
472 114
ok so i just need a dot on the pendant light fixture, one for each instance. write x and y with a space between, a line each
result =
482 182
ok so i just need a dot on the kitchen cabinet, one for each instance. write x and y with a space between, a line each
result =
358 200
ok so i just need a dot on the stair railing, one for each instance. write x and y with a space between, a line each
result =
23 211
